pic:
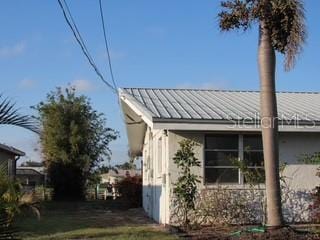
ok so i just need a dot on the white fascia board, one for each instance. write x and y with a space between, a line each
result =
229 127
145 116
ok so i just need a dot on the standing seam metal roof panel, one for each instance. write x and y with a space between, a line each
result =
196 104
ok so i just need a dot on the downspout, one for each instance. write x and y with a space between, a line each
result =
15 166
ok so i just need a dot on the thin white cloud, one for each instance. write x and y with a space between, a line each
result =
13 50
83 85
27 84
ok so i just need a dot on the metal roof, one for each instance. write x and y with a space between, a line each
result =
198 104
27 171
12 150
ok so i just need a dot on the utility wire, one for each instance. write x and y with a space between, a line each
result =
71 23
107 45
76 29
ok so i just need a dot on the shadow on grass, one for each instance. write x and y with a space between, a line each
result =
65 220
122 233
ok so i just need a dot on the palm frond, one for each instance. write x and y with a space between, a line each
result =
29 201
297 35
237 14
286 22
9 115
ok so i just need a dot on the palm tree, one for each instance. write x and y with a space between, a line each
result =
9 115
282 29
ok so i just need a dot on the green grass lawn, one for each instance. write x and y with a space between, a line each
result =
117 233
89 221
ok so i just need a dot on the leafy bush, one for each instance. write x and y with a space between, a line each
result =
185 189
220 206
130 189
9 197
12 202
310 158
315 206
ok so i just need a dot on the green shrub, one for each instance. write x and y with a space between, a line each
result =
9 197
315 206
13 200
130 189
185 189
310 158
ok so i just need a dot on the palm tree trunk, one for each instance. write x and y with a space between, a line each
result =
269 126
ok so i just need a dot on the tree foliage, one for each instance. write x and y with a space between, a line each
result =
74 140
283 18
185 189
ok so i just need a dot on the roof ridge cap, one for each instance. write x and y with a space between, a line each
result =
216 90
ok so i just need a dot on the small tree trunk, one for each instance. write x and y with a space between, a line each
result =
269 126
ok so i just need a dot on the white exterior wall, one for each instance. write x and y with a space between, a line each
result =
147 173
174 139
291 145
155 174
158 185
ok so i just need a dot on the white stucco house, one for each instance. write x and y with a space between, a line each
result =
223 123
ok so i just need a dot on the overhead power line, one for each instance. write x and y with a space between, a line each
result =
76 33
107 45
77 30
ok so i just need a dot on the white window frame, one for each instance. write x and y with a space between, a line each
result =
240 157
159 157
219 150
254 150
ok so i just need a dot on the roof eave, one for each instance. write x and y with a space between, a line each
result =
230 125
12 150
136 122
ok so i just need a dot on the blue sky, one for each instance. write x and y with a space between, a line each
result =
167 44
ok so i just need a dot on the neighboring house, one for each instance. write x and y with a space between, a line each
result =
31 176
224 124
8 158
113 177
108 186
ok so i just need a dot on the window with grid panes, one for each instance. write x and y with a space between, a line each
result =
253 156
222 150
